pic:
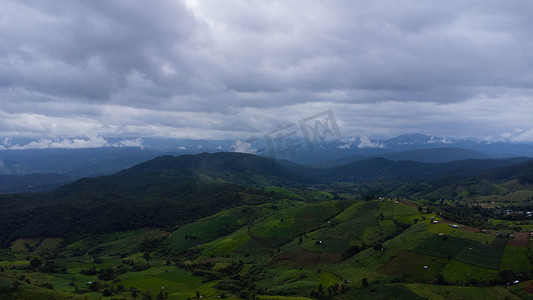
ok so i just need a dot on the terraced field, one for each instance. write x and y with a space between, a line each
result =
286 249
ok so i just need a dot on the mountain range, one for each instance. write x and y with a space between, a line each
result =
169 190
34 170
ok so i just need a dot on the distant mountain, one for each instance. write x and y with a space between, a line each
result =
433 155
377 170
77 163
31 183
350 149
36 170
416 141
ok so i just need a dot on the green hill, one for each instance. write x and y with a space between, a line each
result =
239 226
286 248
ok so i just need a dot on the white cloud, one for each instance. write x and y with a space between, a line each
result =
517 136
76 143
138 143
6 141
439 140
348 142
344 146
523 136
243 147
364 142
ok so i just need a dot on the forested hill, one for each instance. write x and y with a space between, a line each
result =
170 190
240 168
162 192
383 170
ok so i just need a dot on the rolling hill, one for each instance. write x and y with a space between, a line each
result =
239 168
233 225
383 170
169 190
162 192
432 155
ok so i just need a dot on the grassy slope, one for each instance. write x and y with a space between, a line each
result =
454 292
296 246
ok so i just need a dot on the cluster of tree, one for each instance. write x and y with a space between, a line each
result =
331 292
206 270
243 288
46 266
474 216
150 244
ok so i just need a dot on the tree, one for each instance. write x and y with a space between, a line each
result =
377 246
160 296
35 263
95 286
134 292
439 279
107 274
147 296
364 282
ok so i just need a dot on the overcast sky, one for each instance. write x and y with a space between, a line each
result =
215 69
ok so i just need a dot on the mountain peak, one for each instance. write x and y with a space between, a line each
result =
418 138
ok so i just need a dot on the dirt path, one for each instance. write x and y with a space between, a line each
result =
519 239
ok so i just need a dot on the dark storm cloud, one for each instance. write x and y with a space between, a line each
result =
217 69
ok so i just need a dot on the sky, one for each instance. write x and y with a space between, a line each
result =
89 70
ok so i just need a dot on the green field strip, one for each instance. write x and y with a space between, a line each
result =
516 259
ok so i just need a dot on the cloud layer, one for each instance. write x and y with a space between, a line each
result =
70 143
228 69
